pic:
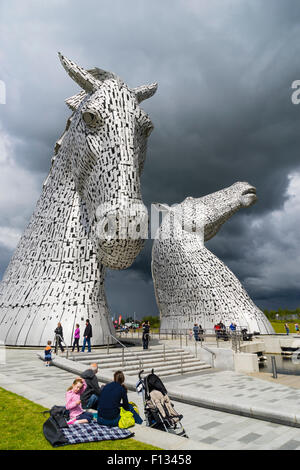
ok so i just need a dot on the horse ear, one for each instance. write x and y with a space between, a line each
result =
74 101
145 91
82 77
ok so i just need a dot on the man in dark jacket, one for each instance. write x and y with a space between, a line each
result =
90 396
87 336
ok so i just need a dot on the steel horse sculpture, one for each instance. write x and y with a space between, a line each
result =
191 284
89 216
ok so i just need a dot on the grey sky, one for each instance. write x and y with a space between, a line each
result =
222 113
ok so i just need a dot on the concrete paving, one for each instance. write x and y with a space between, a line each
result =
226 391
23 373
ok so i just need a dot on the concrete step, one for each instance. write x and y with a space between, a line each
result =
87 359
164 371
93 356
164 363
108 362
161 363
163 366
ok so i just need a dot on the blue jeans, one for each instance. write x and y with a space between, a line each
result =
88 341
114 422
85 415
92 402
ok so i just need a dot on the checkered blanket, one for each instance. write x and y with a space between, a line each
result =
92 432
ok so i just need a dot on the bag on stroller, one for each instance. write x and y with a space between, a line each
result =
159 411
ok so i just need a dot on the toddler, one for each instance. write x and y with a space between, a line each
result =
48 356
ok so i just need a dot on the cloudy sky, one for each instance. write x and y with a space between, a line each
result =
222 113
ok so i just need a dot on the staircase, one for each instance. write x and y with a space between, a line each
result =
164 362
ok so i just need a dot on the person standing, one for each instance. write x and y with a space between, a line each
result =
196 332
87 335
48 356
59 337
76 338
146 334
287 329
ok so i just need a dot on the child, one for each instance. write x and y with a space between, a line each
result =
76 338
73 403
48 351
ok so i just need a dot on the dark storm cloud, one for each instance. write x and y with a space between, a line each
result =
222 112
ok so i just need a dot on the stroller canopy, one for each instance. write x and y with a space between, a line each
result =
153 382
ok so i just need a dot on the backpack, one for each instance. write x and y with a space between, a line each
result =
52 427
60 415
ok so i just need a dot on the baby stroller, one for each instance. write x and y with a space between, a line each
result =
159 411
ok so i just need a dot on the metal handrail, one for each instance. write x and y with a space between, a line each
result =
124 347
164 353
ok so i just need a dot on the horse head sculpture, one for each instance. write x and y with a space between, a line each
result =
191 284
106 143
89 216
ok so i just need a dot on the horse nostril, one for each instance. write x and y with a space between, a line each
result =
106 227
138 228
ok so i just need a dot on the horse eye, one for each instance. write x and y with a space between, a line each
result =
91 118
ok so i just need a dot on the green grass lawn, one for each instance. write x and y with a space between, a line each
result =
21 424
279 326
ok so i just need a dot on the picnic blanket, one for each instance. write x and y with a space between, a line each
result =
93 432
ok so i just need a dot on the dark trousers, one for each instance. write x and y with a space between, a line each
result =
58 343
145 341
76 343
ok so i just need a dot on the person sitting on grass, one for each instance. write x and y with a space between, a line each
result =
112 397
73 403
92 392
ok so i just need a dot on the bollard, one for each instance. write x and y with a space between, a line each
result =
274 368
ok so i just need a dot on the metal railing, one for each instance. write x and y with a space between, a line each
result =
236 337
141 364
123 351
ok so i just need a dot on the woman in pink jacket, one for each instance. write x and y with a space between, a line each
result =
76 338
73 403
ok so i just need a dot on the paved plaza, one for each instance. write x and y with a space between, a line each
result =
23 373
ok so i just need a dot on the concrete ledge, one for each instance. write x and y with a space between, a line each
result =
210 401
169 441
142 433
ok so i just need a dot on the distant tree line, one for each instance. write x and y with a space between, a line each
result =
154 321
282 314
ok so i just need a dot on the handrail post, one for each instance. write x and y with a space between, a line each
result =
108 345
181 363
123 351
274 368
196 352
164 352
180 340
